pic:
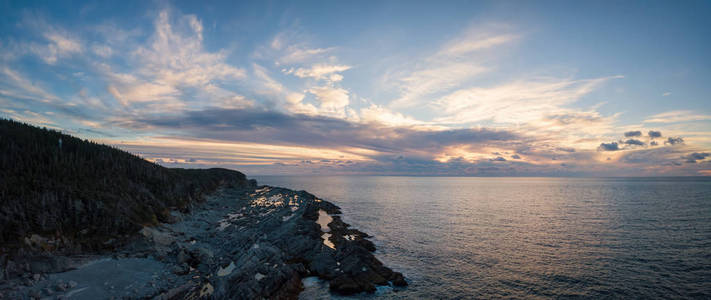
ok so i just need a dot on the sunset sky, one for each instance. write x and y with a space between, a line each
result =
501 88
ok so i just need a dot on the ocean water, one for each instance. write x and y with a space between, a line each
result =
463 237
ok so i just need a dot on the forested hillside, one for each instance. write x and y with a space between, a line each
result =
81 193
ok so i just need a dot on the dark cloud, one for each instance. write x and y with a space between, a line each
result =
653 143
566 149
693 157
634 142
633 133
674 141
653 156
499 158
191 160
574 118
609 147
271 127
515 156
654 134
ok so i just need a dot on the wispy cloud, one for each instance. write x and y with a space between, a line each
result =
59 45
174 61
517 102
319 72
454 63
18 86
677 116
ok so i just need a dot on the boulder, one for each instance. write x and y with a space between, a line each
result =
398 280
344 285
182 257
180 269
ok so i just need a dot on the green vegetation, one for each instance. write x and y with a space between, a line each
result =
83 193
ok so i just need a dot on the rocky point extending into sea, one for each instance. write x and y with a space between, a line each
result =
243 242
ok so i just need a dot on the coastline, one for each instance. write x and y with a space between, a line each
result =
242 242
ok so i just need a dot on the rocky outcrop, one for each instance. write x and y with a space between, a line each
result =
242 243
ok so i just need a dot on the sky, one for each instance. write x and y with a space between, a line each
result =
446 88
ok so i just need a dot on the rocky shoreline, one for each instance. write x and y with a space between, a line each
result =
243 242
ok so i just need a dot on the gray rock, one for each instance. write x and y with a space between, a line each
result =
182 257
181 269
398 279
204 252
61 287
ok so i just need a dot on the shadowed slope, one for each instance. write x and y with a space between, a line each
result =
79 194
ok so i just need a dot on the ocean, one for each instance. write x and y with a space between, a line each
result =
471 237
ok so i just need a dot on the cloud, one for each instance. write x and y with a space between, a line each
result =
135 91
175 96
634 142
296 54
290 48
609 147
432 80
474 41
566 149
60 45
654 134
633 133
458 60
674 141
518 102
332 100
677 116
652 157
17 85
319 72
696 156
173 61
102 50
382 115
666 94
270 127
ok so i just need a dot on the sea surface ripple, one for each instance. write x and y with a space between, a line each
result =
465 237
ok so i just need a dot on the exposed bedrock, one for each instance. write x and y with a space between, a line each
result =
242 243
